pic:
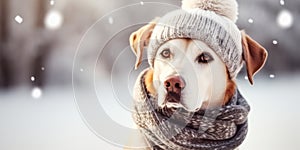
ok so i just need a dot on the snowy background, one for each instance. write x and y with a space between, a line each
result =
66 72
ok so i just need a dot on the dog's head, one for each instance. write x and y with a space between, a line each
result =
189 72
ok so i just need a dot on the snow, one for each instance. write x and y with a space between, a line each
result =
250 20
285 19
282 2
54 122
51 123
275 42
142 3
42 68
52 2
36 93
272 76
274 117
18 19
110 20
53 19
81 70
32 78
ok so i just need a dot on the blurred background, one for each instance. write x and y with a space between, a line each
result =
56 55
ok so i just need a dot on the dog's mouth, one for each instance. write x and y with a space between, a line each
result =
172 100
173 106
173 97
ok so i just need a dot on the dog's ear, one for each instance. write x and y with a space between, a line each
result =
139 39
254 55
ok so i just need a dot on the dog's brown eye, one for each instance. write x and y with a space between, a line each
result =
166 53
204 58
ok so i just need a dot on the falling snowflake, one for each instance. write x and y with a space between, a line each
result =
142 3
285 19
18 19
272 76
246 77
53 20
36 93
32 78
282 2
81 70
250 20
275 42
110 20
52 2
43 68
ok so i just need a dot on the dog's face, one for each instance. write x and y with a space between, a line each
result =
187 73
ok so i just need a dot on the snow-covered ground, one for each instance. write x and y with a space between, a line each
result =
53 121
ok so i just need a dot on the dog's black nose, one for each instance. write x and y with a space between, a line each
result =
174 84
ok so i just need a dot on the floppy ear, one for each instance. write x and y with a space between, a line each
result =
139 39
254 55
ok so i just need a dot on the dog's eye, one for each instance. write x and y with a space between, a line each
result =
166 53
204 58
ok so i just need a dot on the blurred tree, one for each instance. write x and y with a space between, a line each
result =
43 48
4 29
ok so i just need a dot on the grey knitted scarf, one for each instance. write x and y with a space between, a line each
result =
223 128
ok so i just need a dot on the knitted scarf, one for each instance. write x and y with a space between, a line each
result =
222 128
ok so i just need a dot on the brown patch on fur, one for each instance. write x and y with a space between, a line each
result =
139 39
254 55
230 90
149 82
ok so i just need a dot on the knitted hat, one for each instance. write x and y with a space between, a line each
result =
211 21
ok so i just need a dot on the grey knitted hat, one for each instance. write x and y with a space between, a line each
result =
211 21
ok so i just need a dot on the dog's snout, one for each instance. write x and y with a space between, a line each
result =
174 84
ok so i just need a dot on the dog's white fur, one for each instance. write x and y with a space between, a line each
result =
205 82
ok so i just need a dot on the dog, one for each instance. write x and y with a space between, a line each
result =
178 58
187 73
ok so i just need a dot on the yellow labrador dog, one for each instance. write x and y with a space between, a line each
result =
192 71
177 59
187 73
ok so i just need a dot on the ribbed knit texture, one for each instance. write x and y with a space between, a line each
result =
222 128
218 32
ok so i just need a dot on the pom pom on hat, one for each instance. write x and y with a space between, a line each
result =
227 8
